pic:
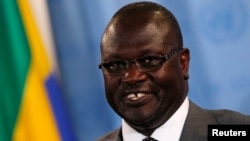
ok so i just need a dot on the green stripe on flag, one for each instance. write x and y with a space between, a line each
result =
14 63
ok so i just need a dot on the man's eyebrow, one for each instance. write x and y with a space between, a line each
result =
143 53
112 57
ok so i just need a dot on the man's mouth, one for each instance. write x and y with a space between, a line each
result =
135 96
137 99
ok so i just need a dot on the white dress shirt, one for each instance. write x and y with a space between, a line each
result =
169 131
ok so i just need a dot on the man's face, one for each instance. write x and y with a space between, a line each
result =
144 99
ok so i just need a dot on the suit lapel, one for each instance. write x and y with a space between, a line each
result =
195 127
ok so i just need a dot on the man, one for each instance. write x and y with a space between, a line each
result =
145 69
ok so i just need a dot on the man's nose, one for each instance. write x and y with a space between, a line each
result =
133 75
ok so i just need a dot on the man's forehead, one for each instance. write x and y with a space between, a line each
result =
142 32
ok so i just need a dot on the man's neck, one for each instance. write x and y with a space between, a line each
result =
175 124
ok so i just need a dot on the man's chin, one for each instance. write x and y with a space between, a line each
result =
142 121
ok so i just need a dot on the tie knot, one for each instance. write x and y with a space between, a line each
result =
149 139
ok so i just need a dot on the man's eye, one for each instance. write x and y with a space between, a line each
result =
150 60
114 65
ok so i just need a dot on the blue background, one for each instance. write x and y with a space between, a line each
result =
216 31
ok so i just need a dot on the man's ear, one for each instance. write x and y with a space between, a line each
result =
185 57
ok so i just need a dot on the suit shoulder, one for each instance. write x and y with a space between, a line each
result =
111 136
219 116
230 117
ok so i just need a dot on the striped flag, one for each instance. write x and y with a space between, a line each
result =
31 106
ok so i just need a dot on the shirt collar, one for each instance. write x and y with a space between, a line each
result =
170 130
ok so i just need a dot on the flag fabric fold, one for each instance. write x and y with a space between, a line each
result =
31 105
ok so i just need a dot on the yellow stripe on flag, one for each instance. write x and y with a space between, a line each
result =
35 121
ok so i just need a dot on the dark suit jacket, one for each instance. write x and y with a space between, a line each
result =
195 126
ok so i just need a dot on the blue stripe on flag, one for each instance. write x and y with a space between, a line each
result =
56 102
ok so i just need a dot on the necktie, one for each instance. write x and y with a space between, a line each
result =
149 139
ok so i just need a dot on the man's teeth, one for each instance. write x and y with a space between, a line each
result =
135 96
